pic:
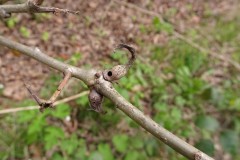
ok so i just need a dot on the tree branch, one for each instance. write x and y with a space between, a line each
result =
147 123
106 88
85 75
33 7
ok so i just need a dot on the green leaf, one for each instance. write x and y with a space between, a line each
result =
120 142
235 104
82 149
55 132
57 156
206 146
230 141
151 146
70 144
207 122
37 125
62 111
45 36
25 32
162 26
120 55
124 93
132 155
75 58
136 142
52 135
83 101
96 156
11 22
106 152
176 114
162 107
27 116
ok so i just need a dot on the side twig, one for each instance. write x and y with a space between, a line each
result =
33 7
14 110
49 103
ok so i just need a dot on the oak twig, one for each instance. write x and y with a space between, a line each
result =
14 110
106 89
49 103
32 7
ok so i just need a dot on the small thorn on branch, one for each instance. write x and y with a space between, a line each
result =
49 103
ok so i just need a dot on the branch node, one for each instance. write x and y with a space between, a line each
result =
41 102
97 75
49 103
95 100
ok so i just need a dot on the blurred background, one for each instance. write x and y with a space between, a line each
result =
186 77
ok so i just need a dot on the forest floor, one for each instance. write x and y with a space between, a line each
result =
166 35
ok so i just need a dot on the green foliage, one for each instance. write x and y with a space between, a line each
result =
25 32
120 142
42 17
226 31
70 149
53 134
161 26
45 36
61 111
206 146
75 58
207 122
230 141
132 155
11 22
105 151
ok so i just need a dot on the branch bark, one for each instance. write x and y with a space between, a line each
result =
85 75
108 91
32 7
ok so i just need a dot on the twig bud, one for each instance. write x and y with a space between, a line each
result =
95 100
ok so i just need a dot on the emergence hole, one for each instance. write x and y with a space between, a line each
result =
109 73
